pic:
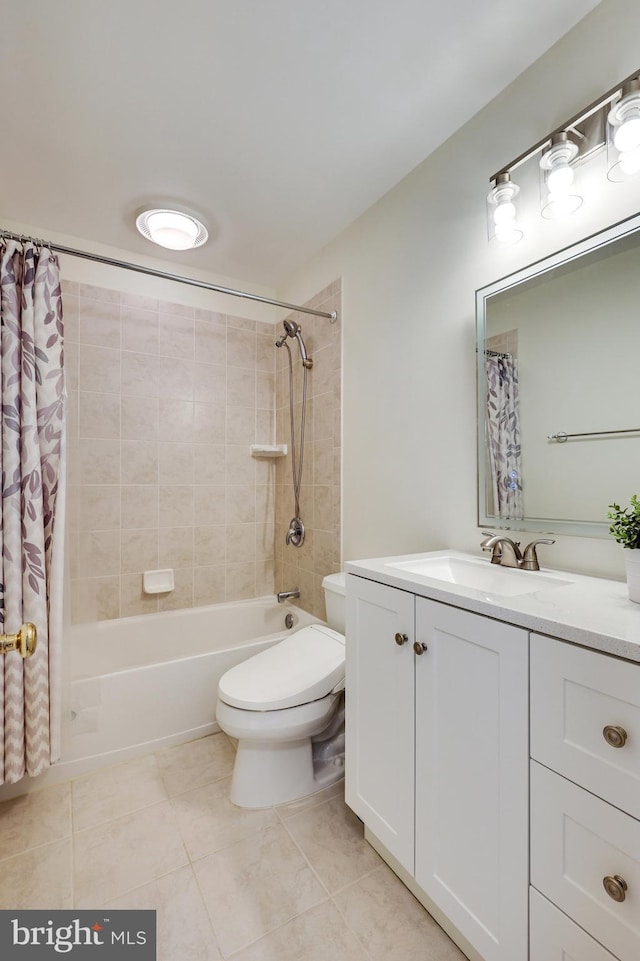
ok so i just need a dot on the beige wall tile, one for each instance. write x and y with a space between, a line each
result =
266 350
140 374
139 462
177 378
209 465
104 294
175 421
139 506
241 543
97 599
210 343
99 507
175 463
209 423
209 504
209 585
139 330
99 553
176 506
241 425
99 323
240 581
210 383
139 300
241 504
99 414
241 348
99 461
99 369
241 387
182 595
175 547
139 551
209 545
241 466
132 599
176 336
139 418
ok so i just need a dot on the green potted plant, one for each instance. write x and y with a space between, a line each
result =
626 530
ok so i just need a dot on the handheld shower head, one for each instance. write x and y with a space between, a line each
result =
291 328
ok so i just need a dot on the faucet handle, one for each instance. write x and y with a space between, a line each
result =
484 544
530 556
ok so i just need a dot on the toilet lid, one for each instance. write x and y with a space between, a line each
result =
305 666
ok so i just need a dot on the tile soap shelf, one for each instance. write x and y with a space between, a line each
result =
268 450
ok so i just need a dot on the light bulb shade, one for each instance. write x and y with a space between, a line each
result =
502 223
559 190
171 229
623 137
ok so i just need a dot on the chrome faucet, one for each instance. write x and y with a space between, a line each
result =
287 595
507 552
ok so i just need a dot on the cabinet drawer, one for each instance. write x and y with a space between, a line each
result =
577 697
554 936
576 841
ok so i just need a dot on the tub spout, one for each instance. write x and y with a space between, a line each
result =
287 595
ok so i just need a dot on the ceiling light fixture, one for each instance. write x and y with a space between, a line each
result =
559 196
171 229
613 120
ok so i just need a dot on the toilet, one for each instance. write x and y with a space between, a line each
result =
286 708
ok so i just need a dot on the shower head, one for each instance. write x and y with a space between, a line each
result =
291 327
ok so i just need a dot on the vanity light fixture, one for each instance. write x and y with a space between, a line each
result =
502 221
171 229
557 178
613 120
623 134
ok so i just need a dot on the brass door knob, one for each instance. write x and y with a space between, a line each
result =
615 886
419 648
401 639
614 736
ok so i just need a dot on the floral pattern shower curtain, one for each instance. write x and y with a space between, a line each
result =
32 522
504 436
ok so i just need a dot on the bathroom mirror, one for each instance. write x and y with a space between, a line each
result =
558 347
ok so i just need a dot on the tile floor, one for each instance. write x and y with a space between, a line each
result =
293 883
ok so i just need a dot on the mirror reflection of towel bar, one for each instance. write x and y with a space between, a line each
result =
562 435
25 641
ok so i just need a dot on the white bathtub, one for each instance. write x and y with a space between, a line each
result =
146 682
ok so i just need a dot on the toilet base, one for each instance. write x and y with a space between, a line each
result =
265 775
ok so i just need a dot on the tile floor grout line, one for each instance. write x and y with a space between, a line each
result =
294 917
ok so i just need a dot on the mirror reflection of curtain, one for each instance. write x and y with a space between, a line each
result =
504 435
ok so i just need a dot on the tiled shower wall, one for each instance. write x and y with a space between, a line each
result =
164 401
320 502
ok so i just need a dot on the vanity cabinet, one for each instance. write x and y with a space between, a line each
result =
585 804
437 748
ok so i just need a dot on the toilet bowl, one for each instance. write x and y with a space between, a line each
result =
286 708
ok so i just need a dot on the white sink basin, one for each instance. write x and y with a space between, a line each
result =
479 575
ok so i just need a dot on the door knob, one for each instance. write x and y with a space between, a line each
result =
615 886
419 648
614 736
401 639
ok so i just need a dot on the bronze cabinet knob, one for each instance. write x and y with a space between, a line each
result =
419 648
614 736
401 639
615 886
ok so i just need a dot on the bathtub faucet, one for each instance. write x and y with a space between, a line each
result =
287 595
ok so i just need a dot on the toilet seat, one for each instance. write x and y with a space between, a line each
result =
304 667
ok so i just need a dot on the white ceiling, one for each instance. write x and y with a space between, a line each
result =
279 121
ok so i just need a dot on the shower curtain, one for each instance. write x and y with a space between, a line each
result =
32 506
504 436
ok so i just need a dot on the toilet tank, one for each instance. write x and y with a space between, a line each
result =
334 587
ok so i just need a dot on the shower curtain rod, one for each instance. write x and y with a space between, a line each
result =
151 272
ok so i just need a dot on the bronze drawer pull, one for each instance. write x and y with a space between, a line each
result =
615 886
401 639
614 736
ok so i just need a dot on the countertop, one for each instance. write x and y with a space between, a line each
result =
591 611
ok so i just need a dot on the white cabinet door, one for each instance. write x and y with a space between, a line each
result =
554 936
585 857
472 777
585 719
379 703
